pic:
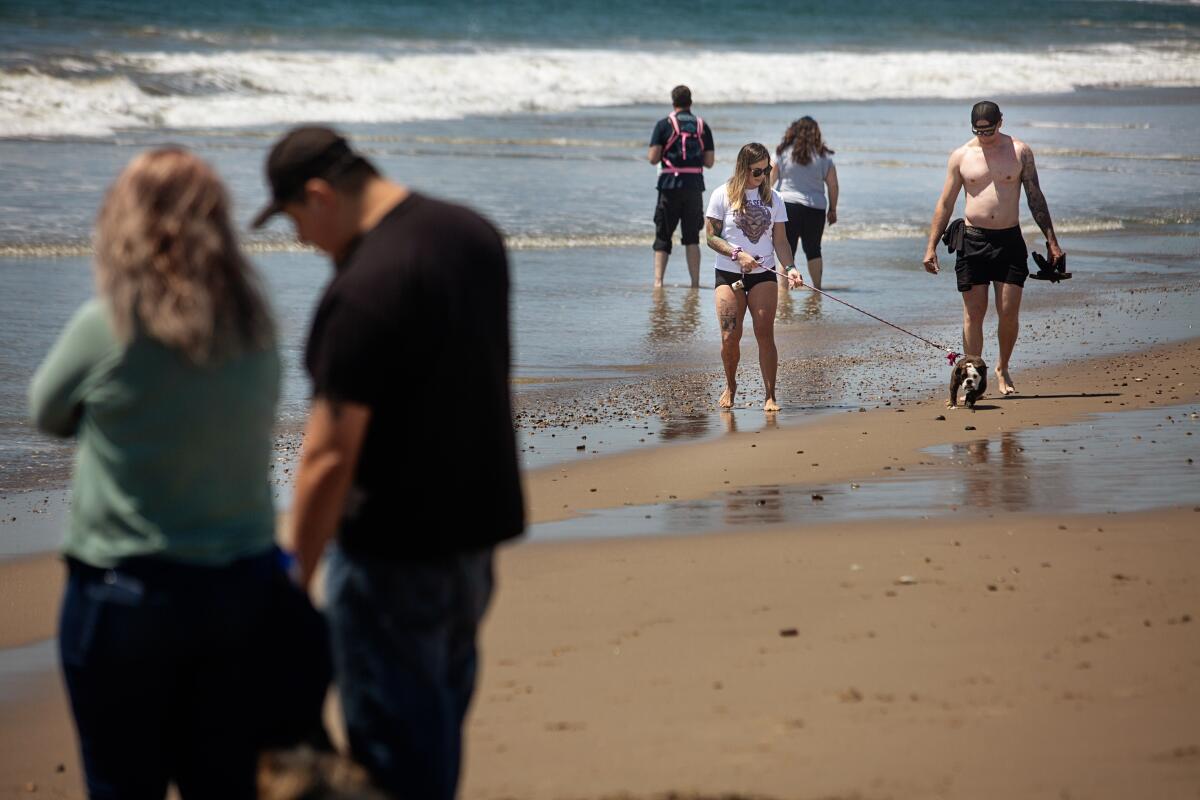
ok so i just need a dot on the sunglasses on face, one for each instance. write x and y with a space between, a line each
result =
985 131
758 173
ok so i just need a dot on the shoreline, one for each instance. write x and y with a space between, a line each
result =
860 444
669 374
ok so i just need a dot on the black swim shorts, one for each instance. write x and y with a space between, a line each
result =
989 255
677 206
725 278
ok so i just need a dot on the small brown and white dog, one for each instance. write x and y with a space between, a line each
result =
969 373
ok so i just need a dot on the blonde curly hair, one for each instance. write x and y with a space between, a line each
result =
168 261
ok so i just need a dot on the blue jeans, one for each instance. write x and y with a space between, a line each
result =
405 661
183 674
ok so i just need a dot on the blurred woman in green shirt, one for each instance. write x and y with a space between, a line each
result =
169 381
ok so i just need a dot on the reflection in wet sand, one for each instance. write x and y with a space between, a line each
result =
798 305
761 505
1007 485
996 474
1148 462
670 324
687 426
812 306
769 419
785 309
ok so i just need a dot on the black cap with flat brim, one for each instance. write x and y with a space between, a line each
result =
302 154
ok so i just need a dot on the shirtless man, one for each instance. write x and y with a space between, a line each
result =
992 167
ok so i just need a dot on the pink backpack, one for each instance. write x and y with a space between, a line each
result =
682 137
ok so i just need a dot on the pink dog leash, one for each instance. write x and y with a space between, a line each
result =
951 356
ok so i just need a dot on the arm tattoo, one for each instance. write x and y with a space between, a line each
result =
718 227
1033 194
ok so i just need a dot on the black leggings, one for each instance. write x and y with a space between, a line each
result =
806 225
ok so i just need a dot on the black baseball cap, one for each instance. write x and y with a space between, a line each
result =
985 110
303 153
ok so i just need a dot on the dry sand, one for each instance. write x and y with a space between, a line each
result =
1023 660
1005 656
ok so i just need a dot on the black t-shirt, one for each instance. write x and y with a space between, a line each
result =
662 134
414 325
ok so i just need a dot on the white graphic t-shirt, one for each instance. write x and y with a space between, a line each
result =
750 229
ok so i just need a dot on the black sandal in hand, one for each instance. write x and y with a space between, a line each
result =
1050 272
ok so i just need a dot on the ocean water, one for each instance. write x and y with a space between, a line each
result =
538 115
90 68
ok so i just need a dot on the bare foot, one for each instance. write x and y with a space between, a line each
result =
726 400
770 405
1006 384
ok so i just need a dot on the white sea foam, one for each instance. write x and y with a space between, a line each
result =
74 248
1090 126
264 87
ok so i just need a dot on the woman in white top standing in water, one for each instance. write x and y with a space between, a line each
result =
802 172
745 225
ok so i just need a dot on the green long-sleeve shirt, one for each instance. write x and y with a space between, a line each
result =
172 459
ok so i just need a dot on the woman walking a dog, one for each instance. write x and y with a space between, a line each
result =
177 610
745 225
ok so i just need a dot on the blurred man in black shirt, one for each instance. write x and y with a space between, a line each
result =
413 324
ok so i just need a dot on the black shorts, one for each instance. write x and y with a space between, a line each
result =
675 206
989 255
805 225
750 280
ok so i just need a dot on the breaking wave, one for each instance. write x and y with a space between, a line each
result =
101 93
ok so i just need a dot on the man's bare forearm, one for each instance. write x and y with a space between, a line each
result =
321 485
332 441
941 218
1034 196
1041 213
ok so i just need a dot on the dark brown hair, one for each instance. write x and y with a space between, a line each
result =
804 138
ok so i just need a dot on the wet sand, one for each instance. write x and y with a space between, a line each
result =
831 359
866 443
982 654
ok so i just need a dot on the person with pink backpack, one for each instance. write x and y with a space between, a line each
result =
682 147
